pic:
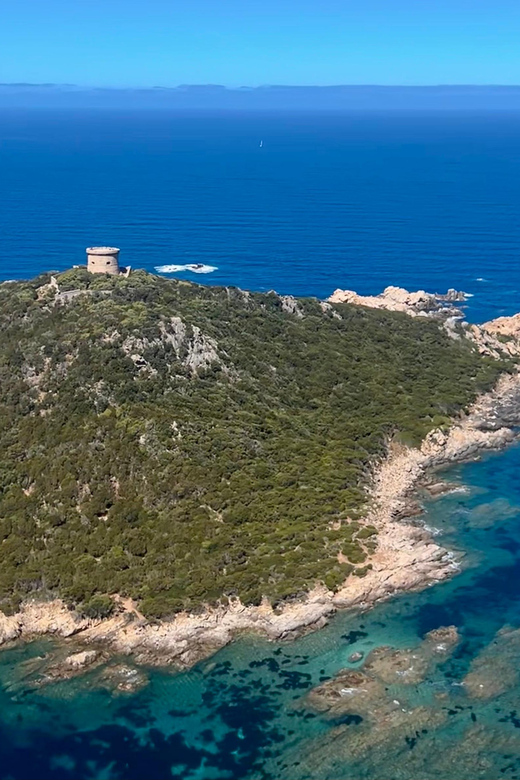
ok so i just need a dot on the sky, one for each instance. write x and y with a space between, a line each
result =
145 43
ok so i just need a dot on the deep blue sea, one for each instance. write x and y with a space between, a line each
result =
297 203
301 204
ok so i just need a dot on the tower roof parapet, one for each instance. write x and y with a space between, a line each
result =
102 250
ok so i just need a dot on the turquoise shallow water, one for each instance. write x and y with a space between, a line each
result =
242 713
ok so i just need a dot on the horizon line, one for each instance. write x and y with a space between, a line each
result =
210 85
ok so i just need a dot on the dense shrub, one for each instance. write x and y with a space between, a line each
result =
229 460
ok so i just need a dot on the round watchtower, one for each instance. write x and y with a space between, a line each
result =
103 260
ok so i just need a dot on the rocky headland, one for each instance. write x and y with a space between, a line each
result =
406 556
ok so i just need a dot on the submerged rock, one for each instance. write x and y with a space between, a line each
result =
60 666
123 678
365 691
440 488
495 670
351 691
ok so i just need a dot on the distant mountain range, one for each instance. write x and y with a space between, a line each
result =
288 98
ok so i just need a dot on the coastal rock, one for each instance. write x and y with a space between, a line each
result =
10 628
58 666
508 327
81 659
123 678
38 618
365 691
410 666
498 338
420 303
440 488
351 691
444 639
407 667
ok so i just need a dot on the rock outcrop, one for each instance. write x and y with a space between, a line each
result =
420 303
81 660
365 691
499 338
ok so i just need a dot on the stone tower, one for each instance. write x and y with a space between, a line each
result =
103 260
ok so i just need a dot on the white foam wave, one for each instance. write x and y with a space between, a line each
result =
480 279
195 268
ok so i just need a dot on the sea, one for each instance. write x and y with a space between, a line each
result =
301 204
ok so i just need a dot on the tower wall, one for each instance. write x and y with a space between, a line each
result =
103 260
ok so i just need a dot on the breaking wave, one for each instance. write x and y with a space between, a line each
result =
196 268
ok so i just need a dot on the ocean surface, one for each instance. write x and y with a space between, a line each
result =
299 203
358 201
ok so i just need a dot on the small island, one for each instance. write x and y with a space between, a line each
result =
180 462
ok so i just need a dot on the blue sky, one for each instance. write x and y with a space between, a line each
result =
252 42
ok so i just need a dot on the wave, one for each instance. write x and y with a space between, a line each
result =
432 530
196 268
480 279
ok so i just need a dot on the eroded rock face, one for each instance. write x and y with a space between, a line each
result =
38 618
505 326
193 348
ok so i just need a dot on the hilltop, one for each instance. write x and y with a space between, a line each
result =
177 444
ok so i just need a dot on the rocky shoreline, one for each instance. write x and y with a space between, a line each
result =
406 558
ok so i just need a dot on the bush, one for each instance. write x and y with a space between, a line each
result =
97 607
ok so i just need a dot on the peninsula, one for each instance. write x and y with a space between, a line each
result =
179 462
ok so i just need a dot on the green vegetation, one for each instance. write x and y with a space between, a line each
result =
176 443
